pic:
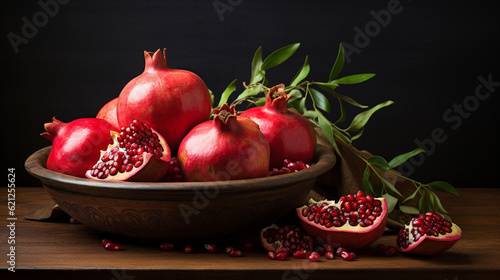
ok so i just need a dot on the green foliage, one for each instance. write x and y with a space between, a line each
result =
300 91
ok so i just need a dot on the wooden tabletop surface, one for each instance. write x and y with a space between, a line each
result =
48 250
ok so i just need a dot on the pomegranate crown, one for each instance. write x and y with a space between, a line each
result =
277 97
156 59
224 113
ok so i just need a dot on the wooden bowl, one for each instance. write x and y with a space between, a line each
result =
179 211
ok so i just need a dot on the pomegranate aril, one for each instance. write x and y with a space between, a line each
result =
340 250
271 255
329 255
235 253
314 257
281 256
167 246
211 248
347 256
228 249
188 249
300 254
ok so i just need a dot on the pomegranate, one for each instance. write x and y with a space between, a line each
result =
228 147
172 101
108 113
428 234
76 145
138 153
288 239
354 222
291 136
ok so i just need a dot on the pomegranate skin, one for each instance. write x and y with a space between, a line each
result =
108 113
76 145
172 101
290 135
219 150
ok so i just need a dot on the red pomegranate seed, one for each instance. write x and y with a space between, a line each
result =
301 254
329 255
167 246
347 256
211 248
340 250
105 241
281 256
229 249
314 257
188 249
391 251
112 246
271 255
235 253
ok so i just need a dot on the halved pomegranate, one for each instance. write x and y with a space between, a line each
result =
428 234
289 237
354 222
137 153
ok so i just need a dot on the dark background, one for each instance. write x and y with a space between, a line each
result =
427 58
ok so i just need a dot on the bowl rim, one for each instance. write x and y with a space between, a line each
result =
35 165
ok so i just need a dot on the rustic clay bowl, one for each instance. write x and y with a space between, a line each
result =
179 211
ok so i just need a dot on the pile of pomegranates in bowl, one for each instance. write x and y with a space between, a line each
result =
154 164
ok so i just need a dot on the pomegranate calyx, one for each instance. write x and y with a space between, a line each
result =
156 59
52 129
224 113
277 98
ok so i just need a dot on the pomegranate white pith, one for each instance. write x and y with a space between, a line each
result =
353 222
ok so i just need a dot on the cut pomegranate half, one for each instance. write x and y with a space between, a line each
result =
137 153
353 222
428 234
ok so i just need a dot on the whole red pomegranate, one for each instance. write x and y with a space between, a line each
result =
76 145
108 113
172 101
226 148
291 136
355 221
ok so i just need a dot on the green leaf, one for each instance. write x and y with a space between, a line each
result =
437 203
256 75
250 92
398 160
302 104
390 186
391 202
362 118
227 92
412 196
330 87
338 65
367 183
443 186
302 74
354 79
294 95
327 129
379 162
342 113
358 135
409 210
279 56
320 100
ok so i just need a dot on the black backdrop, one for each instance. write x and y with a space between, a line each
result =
68 58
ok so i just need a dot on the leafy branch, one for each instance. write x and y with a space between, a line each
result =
300 91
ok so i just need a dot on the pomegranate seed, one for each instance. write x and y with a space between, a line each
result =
229 249
188 249
271 255
112 246
329 255
347 256
281 256
167 246
301 254
340 250
211 248
104 242
314 257
391 251
289 167
235 253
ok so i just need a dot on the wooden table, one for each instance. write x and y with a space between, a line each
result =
46 250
